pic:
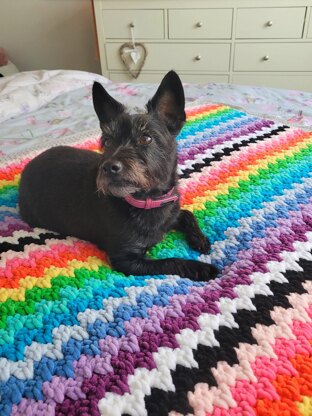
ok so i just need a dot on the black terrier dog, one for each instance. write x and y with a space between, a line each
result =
125 199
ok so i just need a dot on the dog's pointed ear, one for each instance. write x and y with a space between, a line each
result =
168 102
105 106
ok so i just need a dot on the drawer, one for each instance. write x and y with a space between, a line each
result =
273 57
157 77
200 23
297 82
148 24
180 56
270 22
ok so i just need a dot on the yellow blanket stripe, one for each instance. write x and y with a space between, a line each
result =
29 282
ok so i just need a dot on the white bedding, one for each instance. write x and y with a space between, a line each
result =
26 92
45 105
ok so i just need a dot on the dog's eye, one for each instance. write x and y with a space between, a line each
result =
107 142
145 140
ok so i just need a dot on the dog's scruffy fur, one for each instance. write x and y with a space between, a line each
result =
81 193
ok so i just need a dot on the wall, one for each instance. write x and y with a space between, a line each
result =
49 34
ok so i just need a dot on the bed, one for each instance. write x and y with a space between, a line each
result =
46 105
77 338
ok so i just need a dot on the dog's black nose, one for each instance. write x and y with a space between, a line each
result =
112 167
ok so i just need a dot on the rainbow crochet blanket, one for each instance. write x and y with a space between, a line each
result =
77 338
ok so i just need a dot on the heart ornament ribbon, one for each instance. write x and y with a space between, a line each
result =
133 56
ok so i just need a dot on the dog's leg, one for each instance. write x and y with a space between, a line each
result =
187 223
136 265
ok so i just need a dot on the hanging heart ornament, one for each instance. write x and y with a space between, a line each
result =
133 57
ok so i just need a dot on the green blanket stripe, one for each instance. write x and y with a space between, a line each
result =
81 278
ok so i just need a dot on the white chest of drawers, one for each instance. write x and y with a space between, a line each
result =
255 42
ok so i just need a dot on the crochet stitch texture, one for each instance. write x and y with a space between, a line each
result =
77 338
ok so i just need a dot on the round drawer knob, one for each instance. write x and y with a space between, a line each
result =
197 57
131 24
199 24
269 23
266 58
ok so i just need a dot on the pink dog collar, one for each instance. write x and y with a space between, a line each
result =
150 203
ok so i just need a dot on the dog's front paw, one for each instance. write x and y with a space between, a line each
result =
207 271
199 243
202 271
